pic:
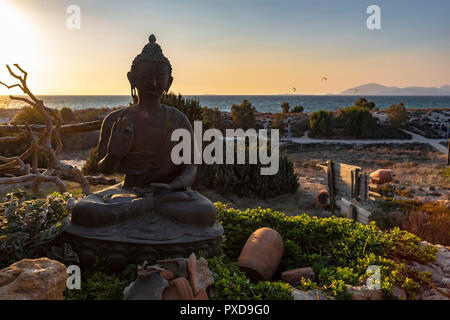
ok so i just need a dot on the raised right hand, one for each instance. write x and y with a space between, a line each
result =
121 138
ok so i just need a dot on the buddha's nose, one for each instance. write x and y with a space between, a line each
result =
153 81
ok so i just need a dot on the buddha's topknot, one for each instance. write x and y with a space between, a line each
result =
152 52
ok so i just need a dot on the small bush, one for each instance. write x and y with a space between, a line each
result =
363 103
285 107
355 121
278 123
430 221
90 167
230 283
298 108
246 180
190 107
29 226
243 115
321 123
101 284
67 115
211 118
30 115
397 114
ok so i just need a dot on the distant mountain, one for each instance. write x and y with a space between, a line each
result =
373 89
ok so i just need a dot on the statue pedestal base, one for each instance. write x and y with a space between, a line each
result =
144 239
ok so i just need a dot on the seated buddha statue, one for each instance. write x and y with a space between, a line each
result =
136 141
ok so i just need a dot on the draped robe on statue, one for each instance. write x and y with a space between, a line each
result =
162 216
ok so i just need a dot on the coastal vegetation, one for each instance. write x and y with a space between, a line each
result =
243 115
320 123
397 114
338 249
285 107
298 108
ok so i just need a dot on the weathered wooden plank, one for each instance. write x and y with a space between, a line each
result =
362 215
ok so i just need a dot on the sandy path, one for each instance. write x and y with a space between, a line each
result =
435 143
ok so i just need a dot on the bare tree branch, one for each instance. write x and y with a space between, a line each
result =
52 128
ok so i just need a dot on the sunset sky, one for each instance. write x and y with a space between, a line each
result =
227 46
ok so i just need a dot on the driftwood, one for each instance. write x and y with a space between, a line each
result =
41 141
68 128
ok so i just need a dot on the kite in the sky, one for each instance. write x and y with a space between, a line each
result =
294 89
324 78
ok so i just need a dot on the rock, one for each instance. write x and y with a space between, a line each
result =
399 293
33 279
200 277
308 295
437 275
365 293
146 287
446 282
294 276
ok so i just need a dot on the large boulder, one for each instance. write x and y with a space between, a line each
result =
33 279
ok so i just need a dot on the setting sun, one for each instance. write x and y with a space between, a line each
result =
17 39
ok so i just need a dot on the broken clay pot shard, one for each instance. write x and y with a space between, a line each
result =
177 266
179 289
148 287
200 277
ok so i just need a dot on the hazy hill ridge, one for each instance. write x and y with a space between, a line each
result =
378 89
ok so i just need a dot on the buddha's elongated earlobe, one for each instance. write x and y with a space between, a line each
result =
134 95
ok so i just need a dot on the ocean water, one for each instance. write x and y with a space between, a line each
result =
263 103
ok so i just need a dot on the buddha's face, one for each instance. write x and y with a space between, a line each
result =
151 78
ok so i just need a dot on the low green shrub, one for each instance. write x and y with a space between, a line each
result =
211 118
30 115
278 122
298 108
29 226
321 123
90 167
285 107
355 121
67 114
232 284
246 180
397 114
338 249
363 103
98 283
190 107
243 115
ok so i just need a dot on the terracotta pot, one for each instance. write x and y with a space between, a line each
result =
381 176
179 289
261 254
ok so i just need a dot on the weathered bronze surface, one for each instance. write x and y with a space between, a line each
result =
155 204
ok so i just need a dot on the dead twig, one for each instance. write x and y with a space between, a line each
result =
40 142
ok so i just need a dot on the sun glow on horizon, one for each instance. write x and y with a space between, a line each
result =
17 42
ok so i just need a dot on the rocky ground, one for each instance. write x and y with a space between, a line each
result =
430 123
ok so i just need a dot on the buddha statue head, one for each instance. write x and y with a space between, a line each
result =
151 73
